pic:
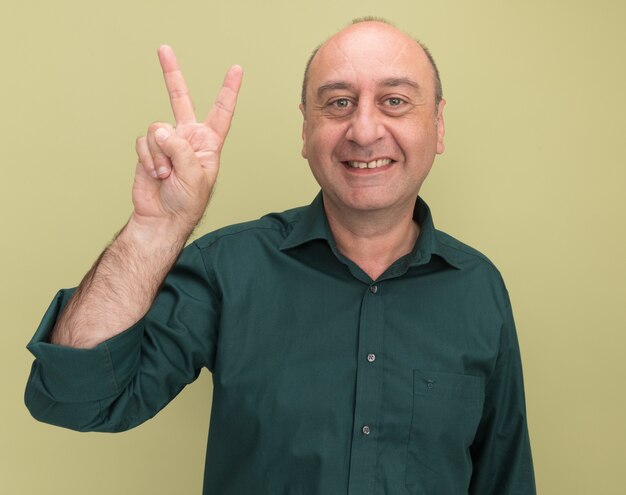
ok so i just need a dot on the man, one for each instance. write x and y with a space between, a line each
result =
354 348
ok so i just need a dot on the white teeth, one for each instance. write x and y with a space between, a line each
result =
372 164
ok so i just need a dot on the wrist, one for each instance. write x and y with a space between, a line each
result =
155 233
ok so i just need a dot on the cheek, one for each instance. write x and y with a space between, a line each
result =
322 140
417 141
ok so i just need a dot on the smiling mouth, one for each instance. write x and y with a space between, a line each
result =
373 164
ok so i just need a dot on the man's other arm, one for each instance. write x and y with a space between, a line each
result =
501 451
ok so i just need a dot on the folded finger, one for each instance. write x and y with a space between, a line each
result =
161 163
144 156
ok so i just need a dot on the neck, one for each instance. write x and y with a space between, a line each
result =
373 240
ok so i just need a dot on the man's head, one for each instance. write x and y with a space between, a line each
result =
373 118
438 86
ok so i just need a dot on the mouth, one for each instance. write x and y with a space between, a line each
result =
380 163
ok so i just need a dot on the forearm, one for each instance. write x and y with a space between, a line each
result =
122 284
127 379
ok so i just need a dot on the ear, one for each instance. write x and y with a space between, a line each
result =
441 128
303 111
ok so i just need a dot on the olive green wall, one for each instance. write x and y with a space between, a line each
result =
533 175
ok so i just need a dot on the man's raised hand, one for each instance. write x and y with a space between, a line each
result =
178 166
174 177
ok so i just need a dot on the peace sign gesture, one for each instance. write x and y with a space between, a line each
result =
178 166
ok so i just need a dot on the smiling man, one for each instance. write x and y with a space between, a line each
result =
354 348
372 126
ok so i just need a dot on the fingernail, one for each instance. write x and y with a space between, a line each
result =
161 134
153 173
163 171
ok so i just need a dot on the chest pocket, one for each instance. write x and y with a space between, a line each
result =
446 412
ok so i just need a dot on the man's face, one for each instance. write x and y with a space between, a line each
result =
371 100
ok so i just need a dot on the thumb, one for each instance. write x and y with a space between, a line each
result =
177 149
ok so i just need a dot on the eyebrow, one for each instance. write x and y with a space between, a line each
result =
401 81
390 82
330 86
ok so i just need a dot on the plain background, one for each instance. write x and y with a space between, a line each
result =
533 176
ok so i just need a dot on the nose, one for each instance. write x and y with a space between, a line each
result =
366 125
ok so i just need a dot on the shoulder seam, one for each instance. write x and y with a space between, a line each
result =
209 274
471 252
218 237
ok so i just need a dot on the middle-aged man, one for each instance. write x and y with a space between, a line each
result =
354 348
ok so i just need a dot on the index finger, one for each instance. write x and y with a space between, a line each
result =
176 87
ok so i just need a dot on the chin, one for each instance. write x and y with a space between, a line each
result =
366 202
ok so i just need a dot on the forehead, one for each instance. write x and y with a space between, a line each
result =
366 53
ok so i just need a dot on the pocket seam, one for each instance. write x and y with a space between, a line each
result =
450 385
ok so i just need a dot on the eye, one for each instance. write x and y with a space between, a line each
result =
395 105
341 103
394 101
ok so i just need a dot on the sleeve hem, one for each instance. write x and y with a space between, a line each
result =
79 375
